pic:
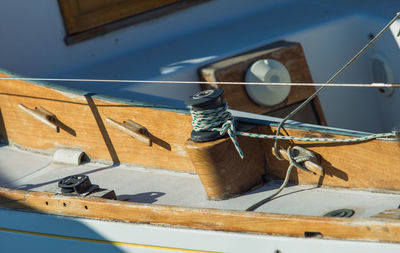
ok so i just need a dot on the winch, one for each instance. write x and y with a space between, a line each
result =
80 185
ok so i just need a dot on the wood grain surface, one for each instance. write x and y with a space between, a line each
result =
81 15
234 69
373 164
82 122
85 19
221 170
371 229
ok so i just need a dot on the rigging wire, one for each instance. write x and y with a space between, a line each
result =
340 71
90 80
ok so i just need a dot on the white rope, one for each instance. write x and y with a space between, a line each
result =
294 161
209 120
83 80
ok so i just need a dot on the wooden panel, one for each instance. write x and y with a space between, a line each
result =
83 125
81 15
290 54
373 164
221 170
376 229
85 19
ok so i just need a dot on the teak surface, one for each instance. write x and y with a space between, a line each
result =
82 121
377 229
373 164
221 170
81 15
234 69
85 19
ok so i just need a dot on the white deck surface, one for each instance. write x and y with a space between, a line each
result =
35 172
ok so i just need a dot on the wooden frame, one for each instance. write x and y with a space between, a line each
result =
84 19
233 69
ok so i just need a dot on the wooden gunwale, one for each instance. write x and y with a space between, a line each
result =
82 122
372 229
81 117
14 92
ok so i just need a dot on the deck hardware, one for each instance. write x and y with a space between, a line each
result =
76 183
43 115
201 101
297 156
309 165
309 234
133 129
69 156
345 213
268 71
80 185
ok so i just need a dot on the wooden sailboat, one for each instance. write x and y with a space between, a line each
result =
83 124
154 188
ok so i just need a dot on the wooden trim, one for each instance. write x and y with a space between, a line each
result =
234 69
85 19
370 164
81 119
81 15
377 229
221 170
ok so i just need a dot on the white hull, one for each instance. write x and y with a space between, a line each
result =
33 232
330 33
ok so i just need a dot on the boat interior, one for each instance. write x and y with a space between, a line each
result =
35 172
51 130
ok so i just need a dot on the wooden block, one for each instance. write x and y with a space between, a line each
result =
234 69
221 170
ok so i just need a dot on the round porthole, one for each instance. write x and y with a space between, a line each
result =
382 72
268 71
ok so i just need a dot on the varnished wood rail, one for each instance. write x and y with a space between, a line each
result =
371 229
83 117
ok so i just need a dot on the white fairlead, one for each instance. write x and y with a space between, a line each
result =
68 156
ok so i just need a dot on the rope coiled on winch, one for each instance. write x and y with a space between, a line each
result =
209 120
